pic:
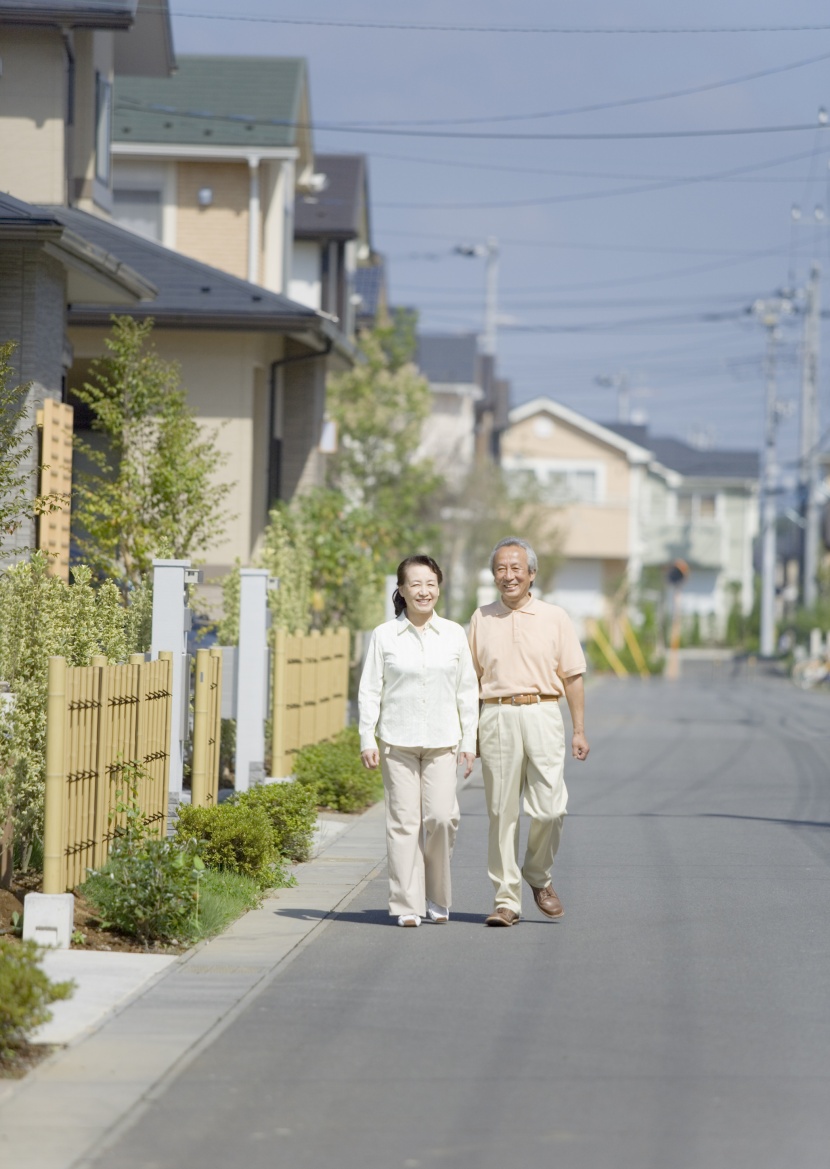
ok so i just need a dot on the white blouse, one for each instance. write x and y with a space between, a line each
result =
419 689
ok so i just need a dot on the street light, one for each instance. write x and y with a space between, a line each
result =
488 251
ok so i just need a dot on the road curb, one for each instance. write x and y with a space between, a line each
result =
73 1105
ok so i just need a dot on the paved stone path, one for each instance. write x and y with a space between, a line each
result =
678 1018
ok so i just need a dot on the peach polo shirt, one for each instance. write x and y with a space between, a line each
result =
524 651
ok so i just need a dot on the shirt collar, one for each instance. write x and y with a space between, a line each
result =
404 623
528 610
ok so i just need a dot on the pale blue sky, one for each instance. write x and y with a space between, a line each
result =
595 263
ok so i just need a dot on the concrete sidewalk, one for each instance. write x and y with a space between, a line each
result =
82 1094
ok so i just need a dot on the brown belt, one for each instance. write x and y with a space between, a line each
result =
523 699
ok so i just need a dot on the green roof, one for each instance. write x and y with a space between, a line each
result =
218 101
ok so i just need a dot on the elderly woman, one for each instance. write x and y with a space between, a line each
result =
419 695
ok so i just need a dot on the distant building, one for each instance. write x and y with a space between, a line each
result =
625 502
332 236
452 366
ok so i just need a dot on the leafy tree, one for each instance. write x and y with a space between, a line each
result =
380 409
40 616
487 507
330 561
155 481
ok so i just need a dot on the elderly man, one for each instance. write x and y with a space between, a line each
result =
527 657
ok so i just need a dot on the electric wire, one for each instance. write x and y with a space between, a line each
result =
124 105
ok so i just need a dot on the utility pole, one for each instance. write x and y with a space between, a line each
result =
809 438
489 251
621 383
769 313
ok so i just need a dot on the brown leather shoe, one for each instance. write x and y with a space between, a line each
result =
548 902
501 915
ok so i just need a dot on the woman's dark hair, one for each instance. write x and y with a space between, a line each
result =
423 562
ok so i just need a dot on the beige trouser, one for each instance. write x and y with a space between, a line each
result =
522 754
422 815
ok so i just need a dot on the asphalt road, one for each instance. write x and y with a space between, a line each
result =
678 1018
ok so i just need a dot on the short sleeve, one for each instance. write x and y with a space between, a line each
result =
571 658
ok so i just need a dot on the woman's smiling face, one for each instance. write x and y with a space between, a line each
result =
420 591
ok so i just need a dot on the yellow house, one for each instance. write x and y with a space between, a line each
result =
626 501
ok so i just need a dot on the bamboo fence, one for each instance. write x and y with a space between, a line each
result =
99 718
207 727
310 687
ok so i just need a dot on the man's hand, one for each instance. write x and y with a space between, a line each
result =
468 759
575 694
579 746
371 758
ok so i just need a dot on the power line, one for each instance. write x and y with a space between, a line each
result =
127 105
577 197
514 29
582 174
579 246
594 107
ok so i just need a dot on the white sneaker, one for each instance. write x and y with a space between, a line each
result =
409 919
438 913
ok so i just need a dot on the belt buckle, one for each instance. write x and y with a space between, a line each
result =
513 700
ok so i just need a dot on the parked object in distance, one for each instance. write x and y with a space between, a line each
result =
812 672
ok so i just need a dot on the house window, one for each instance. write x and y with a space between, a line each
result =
139 211
706 507
103 128
684 507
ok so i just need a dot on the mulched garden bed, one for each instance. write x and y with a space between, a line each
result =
87 922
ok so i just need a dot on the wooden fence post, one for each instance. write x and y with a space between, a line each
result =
201 730
53 845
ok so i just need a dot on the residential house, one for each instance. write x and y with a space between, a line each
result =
332 237
252 361
43 265
208 161
59 60
626 502
452 365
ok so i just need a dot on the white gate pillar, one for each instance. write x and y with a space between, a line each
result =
171 624
251 677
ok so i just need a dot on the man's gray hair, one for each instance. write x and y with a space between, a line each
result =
516 542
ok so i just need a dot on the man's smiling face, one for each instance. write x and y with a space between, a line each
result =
512 575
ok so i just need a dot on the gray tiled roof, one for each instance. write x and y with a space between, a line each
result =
190 294
338 211
687 460
117 14
16 214
448 358
229 96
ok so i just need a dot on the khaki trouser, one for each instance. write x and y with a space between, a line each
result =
422 815
522 754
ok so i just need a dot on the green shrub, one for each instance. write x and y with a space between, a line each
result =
292 810
337 774
223 897
25 993
147 888
234 837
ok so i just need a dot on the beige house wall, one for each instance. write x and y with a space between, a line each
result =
94 54
226 377
216 235
32 112
591 530
566 442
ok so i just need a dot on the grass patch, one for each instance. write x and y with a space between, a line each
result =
223 897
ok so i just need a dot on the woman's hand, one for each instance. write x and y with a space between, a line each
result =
468 759
371 758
